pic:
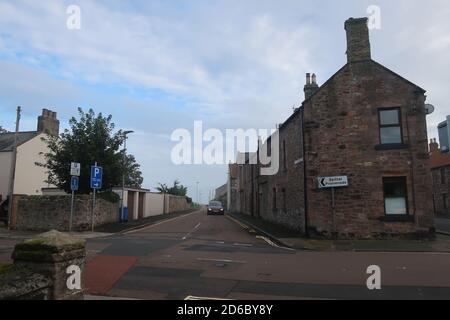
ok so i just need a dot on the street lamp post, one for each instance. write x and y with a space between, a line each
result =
123 170
197 193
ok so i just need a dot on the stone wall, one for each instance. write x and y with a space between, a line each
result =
23 284
178 204
47 267
43 213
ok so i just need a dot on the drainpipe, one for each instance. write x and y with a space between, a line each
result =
305 180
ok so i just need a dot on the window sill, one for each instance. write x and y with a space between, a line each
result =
392 146
398 218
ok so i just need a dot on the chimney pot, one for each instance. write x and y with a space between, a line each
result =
311 85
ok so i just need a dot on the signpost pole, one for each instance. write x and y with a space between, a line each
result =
93 211
71 211
75 171
333 183
333 206
93 206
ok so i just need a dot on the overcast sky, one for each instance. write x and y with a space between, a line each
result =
157 66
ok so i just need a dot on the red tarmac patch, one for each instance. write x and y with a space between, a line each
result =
104 271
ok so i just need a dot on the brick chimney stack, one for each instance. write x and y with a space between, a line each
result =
48 123
434 146
358 43
311 85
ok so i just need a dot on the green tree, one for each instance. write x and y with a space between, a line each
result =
177 189
91 139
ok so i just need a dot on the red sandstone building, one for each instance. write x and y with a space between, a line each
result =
366 123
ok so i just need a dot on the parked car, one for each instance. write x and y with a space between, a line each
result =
4 212
215 208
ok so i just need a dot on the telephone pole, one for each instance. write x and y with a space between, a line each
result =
12 173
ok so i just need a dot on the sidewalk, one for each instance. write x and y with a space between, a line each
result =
290 239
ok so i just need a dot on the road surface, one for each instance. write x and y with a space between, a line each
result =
215 257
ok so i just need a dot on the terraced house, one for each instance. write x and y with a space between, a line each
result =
366 123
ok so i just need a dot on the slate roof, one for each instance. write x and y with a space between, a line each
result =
7 139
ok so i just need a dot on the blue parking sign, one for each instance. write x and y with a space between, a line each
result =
96 177
74 183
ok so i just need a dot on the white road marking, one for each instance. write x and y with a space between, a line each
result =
242 245
221 260
195 228
273 244
260 237
238 222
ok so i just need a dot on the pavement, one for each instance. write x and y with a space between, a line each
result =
290 239
218 257
443 225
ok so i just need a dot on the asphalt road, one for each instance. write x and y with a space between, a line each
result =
214 257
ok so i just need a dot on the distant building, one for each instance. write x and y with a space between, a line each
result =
440 172
232 184
444 135
29 178
366 123
221 195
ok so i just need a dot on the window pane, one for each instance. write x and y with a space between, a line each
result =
395 196
389 117
390 135
395 205
394 187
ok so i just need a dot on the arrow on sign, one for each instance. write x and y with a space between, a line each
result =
322 183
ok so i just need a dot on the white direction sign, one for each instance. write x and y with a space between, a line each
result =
333 182
75 169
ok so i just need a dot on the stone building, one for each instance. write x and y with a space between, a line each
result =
366 123
232 185
440 172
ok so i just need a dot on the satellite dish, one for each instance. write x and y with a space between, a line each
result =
429 108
